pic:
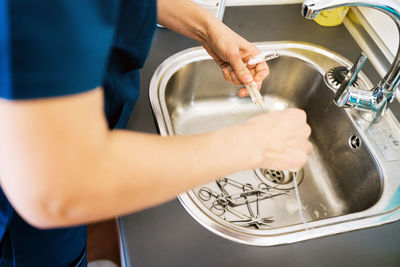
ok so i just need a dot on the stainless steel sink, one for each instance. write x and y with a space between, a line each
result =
351 180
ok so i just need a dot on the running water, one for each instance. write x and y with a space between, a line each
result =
260 102
300 207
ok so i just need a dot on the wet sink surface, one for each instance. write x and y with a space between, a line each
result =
343 176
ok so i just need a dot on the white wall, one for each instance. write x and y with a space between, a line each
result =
384 27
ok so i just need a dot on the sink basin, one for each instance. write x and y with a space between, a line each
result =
351 180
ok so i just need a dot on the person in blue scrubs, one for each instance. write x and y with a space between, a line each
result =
68 83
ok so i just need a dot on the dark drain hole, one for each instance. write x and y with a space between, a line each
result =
277 177
282 180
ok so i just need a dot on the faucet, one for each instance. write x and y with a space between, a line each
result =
348 95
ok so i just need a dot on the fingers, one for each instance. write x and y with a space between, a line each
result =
239 73
226 71
261 72
242 73
243 92
235 79
258 78
287 146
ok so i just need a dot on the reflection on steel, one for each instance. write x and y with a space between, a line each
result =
382 94
223 201
342 189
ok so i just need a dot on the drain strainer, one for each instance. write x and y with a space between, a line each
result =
354 142
335 76
279 179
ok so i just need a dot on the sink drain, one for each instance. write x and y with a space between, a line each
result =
279 179
354 142
335 76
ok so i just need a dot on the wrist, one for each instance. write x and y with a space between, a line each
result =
206 22
250 149
238 147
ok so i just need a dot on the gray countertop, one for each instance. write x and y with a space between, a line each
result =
167 235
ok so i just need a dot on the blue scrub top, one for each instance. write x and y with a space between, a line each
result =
57 48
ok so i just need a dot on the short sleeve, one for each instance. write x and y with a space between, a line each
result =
58 47
4 48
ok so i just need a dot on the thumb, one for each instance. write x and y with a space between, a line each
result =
240 69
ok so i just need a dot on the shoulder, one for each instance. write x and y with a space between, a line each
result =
59 47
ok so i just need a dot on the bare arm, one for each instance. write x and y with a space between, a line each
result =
60 165
225 46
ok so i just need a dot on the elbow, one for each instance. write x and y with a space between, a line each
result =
44 217
44 211
41 221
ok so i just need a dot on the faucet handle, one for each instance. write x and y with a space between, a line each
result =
343 93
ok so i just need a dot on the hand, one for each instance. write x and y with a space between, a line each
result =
229 49
278 140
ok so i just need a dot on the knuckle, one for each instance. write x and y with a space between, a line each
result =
261 75
225 74
254 50
302 114
234 52
224 65
267 71
308 130
233 76
298 113
293 112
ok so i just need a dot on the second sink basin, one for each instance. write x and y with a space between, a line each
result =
342 182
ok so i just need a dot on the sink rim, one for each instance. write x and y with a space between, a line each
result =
373 216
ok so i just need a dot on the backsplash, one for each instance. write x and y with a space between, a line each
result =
384 26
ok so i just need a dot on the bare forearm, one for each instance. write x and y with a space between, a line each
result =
229 50
140 170
186 17
62 166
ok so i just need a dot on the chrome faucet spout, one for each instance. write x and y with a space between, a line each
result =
379 98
